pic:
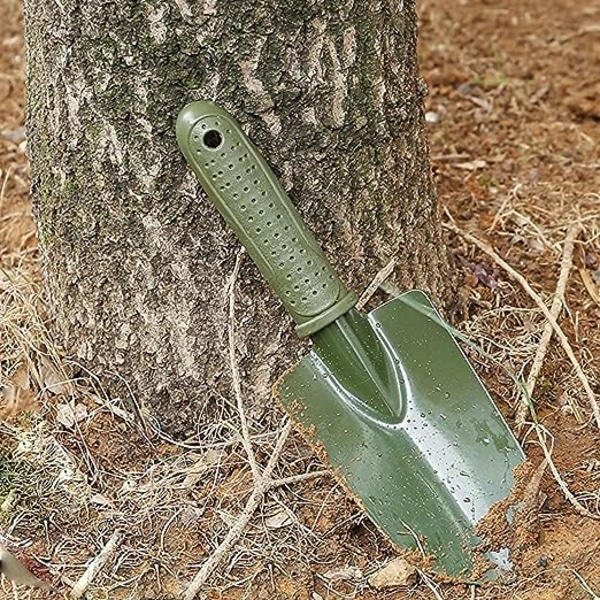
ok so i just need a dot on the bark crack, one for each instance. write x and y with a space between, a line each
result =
340 88
263 100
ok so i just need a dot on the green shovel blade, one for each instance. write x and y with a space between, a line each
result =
419 444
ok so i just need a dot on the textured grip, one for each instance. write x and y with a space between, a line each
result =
241 185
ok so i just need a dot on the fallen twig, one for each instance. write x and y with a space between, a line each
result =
562 484
379 278
96 565
557 305
583 583
431 585
592 28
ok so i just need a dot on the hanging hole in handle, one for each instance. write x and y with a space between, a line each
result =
212 139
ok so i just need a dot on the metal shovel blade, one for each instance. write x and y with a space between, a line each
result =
407 426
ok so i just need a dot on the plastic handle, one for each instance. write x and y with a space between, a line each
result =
242 186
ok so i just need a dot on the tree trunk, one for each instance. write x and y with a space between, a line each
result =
137 260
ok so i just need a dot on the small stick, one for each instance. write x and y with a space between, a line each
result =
540 303
298 478
96 565
514 194
379 278
562 484
430 584
593 28
279 444
213 561
261 486
235 374
583 583
557 305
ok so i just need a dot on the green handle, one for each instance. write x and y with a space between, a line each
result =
241 185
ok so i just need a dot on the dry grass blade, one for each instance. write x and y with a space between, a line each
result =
585 585
513 274
235 375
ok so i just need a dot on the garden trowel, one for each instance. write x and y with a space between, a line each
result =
387 398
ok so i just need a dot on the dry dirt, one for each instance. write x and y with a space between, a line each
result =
514 124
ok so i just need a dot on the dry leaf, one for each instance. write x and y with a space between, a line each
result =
191 516
396 573
280 518
535 244
539 94
196 471
472 165
20 377
101 500
9 502
590 286
67 416
343 574
52 379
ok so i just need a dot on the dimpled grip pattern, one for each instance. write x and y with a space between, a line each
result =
241 185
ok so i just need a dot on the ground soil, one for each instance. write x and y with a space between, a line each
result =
514 126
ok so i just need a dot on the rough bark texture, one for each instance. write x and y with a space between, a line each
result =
137 261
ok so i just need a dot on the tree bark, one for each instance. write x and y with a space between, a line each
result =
137 261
